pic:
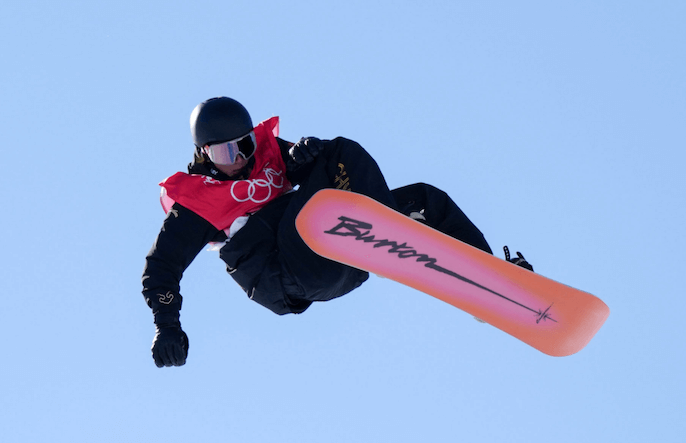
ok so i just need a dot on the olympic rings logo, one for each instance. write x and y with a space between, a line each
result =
254 190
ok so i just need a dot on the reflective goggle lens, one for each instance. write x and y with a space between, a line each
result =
227 152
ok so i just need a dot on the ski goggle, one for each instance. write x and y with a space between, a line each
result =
225 153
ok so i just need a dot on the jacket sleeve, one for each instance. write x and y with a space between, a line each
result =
182 237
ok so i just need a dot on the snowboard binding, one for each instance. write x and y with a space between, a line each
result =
519 260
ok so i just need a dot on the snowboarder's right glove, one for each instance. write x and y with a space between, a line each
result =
170 345
303 152
519 260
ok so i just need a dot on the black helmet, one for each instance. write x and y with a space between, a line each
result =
219 119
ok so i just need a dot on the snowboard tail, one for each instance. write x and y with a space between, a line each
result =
358 231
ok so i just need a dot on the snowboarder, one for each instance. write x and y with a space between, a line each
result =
239 195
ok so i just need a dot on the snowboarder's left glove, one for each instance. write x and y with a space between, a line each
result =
519 260
303 152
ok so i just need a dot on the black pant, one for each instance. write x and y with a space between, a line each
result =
346 165
440 212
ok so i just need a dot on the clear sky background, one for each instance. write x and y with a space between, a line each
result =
558 127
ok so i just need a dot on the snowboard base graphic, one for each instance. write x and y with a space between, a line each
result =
358 231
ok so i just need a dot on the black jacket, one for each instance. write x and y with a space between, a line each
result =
252 256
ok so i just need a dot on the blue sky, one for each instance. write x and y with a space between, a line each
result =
556 126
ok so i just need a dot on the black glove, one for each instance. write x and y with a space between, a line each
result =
303 152
170 346
519 260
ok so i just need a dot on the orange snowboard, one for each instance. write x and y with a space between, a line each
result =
358 231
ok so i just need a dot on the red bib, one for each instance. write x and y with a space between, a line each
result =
221 202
